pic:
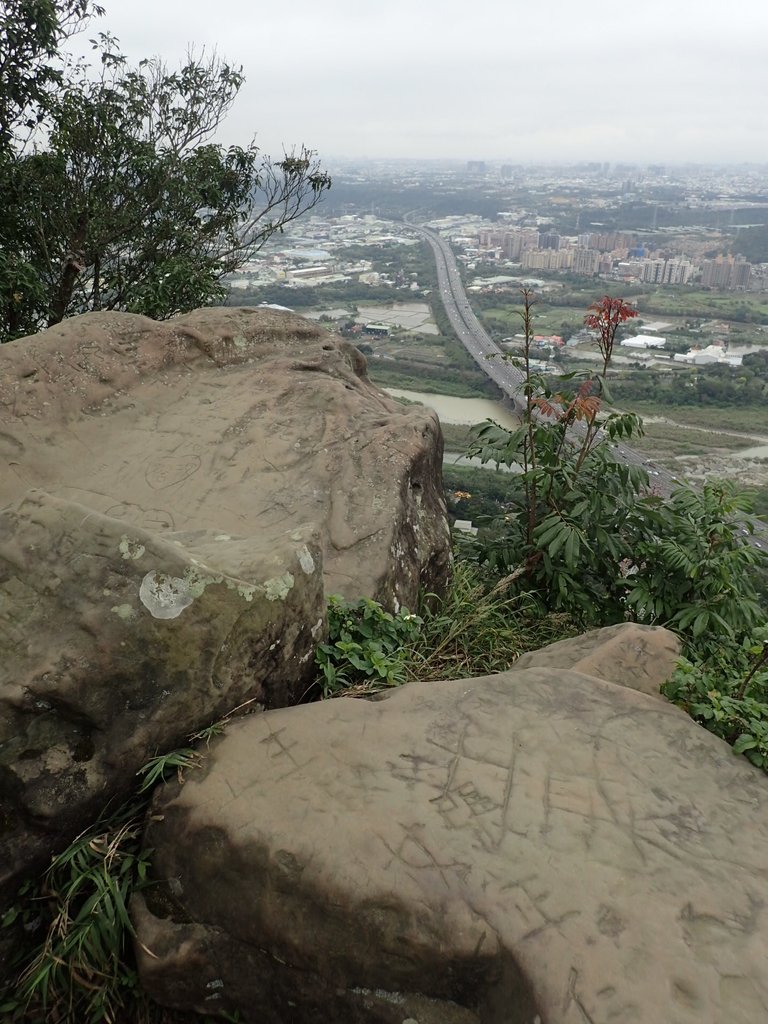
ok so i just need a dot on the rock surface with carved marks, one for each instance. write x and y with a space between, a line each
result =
641 657
536 847
176 501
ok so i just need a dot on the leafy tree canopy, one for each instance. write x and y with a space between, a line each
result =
32 32
586 534
124 201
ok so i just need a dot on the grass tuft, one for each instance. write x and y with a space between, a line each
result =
81 970
478 629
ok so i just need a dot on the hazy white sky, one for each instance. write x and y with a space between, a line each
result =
657 80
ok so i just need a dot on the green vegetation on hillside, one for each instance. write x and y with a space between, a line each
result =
407 376
475 628
666 440
580 534
752 242
456 436
683 301
713 385
749 419
561 307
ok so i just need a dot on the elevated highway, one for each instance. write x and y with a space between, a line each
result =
468 328
509 378
490 358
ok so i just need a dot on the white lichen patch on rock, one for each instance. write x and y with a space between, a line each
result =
245 590
164 596
306 561
130 549
278 588
124 611
197 582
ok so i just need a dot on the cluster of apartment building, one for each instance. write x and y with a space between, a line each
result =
611 254
731 272
677 270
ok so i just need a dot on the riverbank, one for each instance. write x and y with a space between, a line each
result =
698 452
460 411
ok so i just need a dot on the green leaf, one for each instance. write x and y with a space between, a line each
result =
558 542
701 623
9 917
572 549
686 618
744 742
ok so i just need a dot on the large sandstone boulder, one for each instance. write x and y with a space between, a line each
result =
246 422
176 501
536 847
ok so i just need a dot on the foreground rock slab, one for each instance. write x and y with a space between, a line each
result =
538 846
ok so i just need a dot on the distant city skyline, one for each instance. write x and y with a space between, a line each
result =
555 82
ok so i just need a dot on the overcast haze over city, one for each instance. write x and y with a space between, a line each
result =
550 81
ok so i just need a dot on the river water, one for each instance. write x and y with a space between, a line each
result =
461 410
452 459
476 410
760 451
